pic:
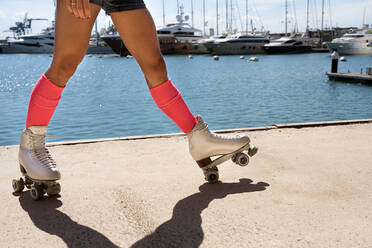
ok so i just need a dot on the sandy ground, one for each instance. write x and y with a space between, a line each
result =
308 187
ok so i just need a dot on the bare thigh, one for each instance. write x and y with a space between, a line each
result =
71 42
138 32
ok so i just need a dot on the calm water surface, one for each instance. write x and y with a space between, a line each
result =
108 97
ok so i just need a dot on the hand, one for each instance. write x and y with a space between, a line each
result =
79 8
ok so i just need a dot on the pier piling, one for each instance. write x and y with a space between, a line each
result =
334 61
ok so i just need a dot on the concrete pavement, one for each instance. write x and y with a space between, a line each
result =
307 187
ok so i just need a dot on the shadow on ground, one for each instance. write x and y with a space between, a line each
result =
184 228
46 217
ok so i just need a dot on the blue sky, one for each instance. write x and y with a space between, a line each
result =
269 13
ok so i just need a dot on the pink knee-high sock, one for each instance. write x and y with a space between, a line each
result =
170 101
44 100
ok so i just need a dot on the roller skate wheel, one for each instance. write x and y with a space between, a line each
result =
242 159
18 185
233 158
36 192
54 189
213 178
211 175
252 151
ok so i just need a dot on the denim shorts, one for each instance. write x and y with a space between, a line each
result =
110 6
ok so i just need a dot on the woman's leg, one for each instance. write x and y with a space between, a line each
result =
71 41
137 30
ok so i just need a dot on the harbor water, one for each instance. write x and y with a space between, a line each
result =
108 97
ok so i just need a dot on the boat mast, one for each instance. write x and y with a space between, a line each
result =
178 8
227 16
246 16
163 14
295 14
307 16
321 28
203 18
217 17
231 16
192 13
330 14
286 13
330 18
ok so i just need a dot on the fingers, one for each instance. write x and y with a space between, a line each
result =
86 6
74 8
79 8
68 5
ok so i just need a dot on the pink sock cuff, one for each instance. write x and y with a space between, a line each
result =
44 100
164 93
170 101
45 88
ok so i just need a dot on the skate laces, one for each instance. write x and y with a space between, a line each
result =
236 137
41 152
203 127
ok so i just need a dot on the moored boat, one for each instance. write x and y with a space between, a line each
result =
287 45
358 43
239 43
173 38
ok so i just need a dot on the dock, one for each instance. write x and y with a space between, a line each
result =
319 50
308 186
350 77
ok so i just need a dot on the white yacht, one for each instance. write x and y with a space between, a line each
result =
358 43
177 38
287 45
183 32
239 43
173 38
199 45
44 43
30 43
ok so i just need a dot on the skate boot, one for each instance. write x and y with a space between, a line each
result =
204 144
36 165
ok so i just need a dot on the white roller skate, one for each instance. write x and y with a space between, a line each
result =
204 144
36 165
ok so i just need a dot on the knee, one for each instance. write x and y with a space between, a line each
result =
155 66
63 68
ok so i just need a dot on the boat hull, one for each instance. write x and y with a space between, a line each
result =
168 45
235 48
350 48
16 48
48 49
199 48
287 49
